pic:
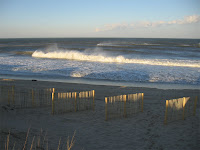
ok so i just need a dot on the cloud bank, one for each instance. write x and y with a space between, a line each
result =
145 24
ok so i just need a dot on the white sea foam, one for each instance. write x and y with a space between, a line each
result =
107 44
98 57
146 44
126 44
61 68
78 74
185 45
125 60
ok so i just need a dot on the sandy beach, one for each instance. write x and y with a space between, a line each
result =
99 75
144 130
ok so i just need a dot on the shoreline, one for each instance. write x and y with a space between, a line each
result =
164 86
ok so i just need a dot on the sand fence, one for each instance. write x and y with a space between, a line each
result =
60 102
179 109
73 101
123 105
115 106
24 97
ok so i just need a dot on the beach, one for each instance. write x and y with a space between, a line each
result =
144 130
100 75
41 81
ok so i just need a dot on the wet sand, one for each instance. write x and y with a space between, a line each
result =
144 130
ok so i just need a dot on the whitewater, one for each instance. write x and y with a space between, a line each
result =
98 57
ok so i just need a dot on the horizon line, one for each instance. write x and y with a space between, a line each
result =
98 37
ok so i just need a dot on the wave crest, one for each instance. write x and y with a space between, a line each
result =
99 57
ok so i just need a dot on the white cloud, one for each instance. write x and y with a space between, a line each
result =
146 24
186 20
108 27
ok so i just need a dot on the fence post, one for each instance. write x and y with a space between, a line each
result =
183 108
58 95
142 102
106 108
195 105
93 95
124 99
53 109
75 101
166 111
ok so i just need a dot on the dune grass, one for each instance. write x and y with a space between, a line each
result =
39 142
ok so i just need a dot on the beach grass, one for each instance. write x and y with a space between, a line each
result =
38 144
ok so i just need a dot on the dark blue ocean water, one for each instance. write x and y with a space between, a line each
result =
128 60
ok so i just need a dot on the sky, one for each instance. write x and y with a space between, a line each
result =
100 18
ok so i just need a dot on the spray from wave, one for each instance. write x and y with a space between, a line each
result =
98 55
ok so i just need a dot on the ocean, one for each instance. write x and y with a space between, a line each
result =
115 61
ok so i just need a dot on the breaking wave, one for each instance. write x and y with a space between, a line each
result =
108 44
146 44
102 57
126 44
131 44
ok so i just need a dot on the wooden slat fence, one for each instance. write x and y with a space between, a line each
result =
123 105
179 109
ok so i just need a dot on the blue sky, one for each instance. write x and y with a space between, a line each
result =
100 18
